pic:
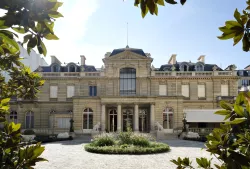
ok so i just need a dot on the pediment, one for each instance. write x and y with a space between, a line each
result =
127 55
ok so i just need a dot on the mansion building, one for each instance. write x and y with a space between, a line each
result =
127 91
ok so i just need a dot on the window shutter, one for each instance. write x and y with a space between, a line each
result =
90 90
70 91
224 90
53 91
201 91
185 90
162 90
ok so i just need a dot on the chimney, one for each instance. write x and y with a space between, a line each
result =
83 58
202 59
55 60
172 60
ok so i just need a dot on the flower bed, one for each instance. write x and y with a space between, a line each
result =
125 143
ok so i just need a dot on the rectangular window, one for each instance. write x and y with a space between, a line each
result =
63 122
53 91
162 90
70 91
92 91
185 90
224 90
201 91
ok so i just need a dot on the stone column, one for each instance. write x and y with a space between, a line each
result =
167 121
152 117
103 117
136 118
119 117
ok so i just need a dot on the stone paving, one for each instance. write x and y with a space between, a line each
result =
71 155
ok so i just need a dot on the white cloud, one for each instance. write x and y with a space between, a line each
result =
71 30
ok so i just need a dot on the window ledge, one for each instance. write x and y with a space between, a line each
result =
201 98
53 99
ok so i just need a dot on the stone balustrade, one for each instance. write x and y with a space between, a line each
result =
192 73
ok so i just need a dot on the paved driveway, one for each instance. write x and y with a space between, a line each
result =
71 155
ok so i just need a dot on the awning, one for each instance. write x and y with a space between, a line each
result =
203 115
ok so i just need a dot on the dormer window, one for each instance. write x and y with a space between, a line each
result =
72 68
184 67
55 68
199 67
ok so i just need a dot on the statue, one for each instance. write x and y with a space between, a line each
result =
173 68
71 129
215 68
184 124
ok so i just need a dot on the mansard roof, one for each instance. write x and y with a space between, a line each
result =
87 68
134 50
191 66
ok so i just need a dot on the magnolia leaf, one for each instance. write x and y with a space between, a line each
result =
19 30
51 37
55 14
225 105
226 36
171 1
236 121
5 101
237 38
231 24
223 112
246 43
44 48
160 2
237 16
239 110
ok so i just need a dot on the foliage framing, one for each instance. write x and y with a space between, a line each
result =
237 29
231 142
35 20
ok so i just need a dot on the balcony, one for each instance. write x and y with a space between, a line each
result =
72 74
192 73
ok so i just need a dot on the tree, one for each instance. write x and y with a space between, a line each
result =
230 143
237 29
35 20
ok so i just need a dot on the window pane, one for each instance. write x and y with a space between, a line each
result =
27 122
90 121
85 121
127 81
32 122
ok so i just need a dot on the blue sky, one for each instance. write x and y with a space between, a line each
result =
94 27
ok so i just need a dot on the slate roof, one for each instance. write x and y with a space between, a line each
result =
137 51
87 68
207 67
245 73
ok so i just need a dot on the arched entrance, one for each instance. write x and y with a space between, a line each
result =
168 120
112 120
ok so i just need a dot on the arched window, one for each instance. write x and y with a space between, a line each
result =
199 67
127 81
29 120
184 67
55 68
87 118
72 68
168 118
13 116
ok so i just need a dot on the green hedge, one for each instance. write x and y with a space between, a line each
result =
128 149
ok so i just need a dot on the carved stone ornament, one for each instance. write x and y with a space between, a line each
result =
152 67
39 69
173 68
215 68
224 82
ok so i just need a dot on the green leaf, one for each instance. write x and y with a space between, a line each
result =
236 121
51 37
246 44
223 112
171 2
238 37
239 110
19 30
237 16
231 24
44 48
160 2
50 26
225 105
26 38
2 119
55 14
226 36
5 101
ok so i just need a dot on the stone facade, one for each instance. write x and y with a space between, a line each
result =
143 110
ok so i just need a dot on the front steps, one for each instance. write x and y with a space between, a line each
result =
166 136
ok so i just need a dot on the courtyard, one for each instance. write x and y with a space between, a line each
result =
71 155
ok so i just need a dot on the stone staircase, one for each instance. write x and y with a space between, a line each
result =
85 138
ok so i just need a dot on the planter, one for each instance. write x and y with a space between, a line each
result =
27 138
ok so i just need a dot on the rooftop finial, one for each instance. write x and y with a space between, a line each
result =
127 36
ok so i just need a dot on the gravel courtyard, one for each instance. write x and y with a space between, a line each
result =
71 155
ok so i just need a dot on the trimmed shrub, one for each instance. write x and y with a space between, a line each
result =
103 140
29 132
138 140
128 149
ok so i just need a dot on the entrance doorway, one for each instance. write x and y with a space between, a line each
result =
168 120
113 120
127 119
143 120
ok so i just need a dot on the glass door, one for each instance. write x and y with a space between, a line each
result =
112 120
127 119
